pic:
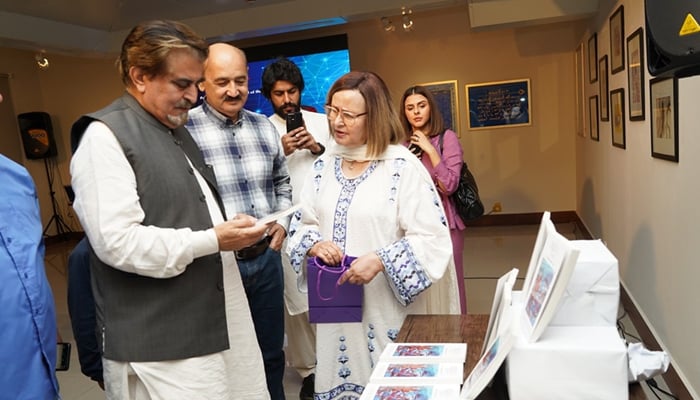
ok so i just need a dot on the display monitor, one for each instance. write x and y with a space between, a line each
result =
321 61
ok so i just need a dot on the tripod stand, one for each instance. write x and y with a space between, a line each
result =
61 227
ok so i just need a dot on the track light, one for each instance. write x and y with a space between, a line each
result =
41 61
407 22
387 25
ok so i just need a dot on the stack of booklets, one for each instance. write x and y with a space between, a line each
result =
428 371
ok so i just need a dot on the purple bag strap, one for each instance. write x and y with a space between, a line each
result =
344 266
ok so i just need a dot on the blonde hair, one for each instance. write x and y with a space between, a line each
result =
382 122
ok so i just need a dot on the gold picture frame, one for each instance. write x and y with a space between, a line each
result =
445 93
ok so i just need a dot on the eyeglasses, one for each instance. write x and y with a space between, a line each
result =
348 118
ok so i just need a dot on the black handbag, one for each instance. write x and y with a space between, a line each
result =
466 197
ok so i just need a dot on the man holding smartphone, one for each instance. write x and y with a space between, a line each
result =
302 134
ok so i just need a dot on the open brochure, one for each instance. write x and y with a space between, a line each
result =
280 214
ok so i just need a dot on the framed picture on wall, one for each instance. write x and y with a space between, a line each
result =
593 58
499 104
617 108
580 92
617 40
663 102
603 88
445 93
593 117
635 75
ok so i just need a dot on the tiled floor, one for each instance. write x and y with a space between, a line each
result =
489 253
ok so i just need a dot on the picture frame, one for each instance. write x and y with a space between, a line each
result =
603 88
445 93
617 40
617 123
635 75
593 117
663 104
499 104
593 58
580 67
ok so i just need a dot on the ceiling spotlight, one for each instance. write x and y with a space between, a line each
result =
407 22
41 61
387 25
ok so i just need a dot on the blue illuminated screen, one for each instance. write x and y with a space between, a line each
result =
319 70
322 60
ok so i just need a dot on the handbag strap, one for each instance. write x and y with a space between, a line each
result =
323 267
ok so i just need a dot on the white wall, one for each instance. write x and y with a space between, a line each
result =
644 208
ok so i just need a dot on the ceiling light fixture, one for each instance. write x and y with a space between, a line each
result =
387 25
41 61
406 19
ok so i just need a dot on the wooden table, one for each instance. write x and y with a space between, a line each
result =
470 329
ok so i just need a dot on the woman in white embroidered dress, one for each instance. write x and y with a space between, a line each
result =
372 199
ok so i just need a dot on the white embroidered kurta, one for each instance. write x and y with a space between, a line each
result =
299 165
392 209
101 172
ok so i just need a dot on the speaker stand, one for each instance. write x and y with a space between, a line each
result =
61 227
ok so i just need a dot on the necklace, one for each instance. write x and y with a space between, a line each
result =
351 163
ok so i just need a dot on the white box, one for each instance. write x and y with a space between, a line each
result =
401 373
375 391
592 296
569 362
424 352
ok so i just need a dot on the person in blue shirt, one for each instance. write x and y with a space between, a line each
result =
27 315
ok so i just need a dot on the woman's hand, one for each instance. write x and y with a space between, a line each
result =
421 140
327 251
363 270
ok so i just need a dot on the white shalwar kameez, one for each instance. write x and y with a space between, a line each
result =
233 374
392 209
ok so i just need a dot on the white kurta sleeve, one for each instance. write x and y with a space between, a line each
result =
107 205
423 254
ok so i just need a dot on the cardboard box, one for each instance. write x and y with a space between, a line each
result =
569 362
592 295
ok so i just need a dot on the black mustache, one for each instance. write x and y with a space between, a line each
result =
229 98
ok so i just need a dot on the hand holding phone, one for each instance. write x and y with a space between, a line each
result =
294 121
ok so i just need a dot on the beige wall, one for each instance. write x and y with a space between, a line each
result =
68 88
644 207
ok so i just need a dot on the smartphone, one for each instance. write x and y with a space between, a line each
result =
62 356
294 120
415 149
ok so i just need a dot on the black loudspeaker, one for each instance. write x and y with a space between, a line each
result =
37 134
673 37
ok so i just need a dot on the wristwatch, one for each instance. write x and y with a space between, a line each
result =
323 149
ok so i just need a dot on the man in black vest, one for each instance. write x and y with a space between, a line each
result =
172 315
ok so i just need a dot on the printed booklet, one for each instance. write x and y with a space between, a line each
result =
375 391
424 353
394 373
